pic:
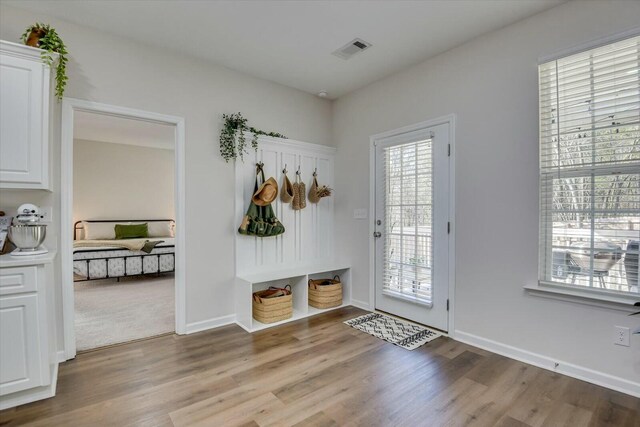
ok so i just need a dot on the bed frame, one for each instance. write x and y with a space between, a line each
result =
77 226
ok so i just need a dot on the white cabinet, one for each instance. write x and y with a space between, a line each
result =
24 117
21 353
28 365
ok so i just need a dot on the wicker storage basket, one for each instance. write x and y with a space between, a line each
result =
268 308
325 293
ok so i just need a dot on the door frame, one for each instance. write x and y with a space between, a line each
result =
69 107
450 121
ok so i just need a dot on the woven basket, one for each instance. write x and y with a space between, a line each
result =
325 293
268 309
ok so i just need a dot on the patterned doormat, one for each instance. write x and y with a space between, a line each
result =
403 334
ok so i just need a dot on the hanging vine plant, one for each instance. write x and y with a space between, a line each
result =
233 143
232 140
46 38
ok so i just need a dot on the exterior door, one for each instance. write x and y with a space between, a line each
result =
412 225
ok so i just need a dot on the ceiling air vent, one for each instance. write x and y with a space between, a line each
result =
353 47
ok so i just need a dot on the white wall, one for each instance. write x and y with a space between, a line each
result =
490 83
118 181
113 70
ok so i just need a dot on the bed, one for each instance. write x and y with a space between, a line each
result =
98 255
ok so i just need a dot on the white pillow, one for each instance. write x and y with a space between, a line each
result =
160 228
99 230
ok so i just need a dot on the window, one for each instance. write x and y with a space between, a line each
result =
590 168
408 260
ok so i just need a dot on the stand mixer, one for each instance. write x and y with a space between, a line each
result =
27 233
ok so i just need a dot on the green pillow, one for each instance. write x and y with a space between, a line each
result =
132 231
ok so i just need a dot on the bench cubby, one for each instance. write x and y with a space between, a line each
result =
298 278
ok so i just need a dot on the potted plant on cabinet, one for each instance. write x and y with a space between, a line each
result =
46 38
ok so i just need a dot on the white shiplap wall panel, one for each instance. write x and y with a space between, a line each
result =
325 208
308 238
287 215
269 247
308 231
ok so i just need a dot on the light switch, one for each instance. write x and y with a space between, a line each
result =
359 214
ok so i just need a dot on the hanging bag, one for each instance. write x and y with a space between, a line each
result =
302 193
316 192
299 193
261 221
313 191
286 195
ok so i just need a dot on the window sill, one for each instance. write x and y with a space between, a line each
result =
597 298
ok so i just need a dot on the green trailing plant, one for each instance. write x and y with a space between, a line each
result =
233 143
50 42
257 132
232 140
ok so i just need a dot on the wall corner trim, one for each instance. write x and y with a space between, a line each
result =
545 362
215 322
361 304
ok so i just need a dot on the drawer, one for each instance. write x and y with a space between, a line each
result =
17 280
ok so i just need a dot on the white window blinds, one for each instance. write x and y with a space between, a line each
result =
590 168
408 260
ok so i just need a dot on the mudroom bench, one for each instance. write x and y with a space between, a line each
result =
298 278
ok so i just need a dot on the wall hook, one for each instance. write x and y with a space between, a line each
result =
284 171
298 171
315 172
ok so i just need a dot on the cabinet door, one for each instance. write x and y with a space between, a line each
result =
21 353
24 122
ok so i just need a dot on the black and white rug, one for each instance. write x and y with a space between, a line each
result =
403 334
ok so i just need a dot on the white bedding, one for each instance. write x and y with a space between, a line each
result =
166 241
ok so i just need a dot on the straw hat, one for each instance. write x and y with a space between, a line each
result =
266 193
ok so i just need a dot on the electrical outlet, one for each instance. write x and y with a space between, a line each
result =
621 336
47 214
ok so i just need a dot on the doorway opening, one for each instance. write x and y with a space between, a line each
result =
122 240
123 179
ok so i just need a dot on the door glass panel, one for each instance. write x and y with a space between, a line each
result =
408 251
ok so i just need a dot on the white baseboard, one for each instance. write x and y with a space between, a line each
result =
361 304
580 372
28 396
203 325
61 356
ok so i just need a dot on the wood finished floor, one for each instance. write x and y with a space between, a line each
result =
314 372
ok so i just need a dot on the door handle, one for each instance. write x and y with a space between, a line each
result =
377 234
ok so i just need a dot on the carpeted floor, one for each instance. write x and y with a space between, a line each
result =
110 312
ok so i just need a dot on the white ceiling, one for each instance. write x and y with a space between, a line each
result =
119 130
290 42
